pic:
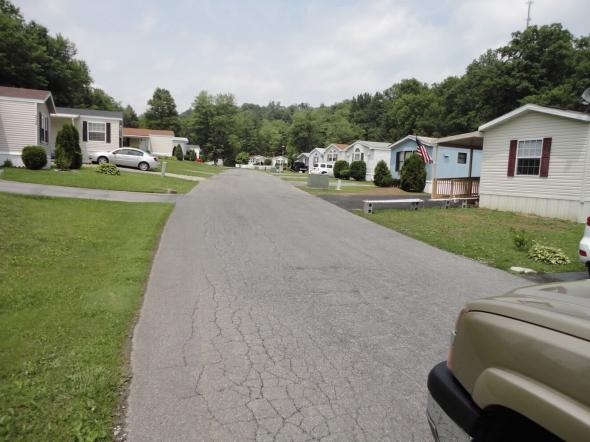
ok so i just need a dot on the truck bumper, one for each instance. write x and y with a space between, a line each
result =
452 414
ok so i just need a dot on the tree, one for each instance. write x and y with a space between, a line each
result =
130 117
413 174
67 148
161 112
382 175
304 133
242 158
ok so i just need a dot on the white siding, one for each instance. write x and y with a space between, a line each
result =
562 193
161 145
18 128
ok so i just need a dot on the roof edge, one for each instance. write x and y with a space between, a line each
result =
534 108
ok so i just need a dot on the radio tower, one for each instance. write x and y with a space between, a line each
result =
528 14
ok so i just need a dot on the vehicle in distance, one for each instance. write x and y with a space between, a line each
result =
126 156
299 166
518 368
584 248
323 169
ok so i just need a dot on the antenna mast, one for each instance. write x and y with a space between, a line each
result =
528 15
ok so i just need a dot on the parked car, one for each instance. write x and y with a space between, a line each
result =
584 247
517 368
126 156
298 166
323 169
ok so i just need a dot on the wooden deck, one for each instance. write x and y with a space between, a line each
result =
455 188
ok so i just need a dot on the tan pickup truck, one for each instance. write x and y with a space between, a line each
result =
518 368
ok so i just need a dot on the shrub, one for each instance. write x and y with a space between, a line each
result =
267 161
177 152
229 162
34 157
548 255
382 177
345 174
68 154
339 166
191 155
243 158
395 182
520 239
413 174
358 170
7 164
108 169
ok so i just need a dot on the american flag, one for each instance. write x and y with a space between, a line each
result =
423 152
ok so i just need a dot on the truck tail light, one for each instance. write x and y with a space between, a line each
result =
583 253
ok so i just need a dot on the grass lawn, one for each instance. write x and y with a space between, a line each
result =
71 283
87 177
485 235
191 168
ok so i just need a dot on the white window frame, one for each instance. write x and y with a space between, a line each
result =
357 155
523 152
332 156
103 131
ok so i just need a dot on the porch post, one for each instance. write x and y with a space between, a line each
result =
434 193
470 185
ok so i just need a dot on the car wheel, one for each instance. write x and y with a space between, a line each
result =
102 160
144 166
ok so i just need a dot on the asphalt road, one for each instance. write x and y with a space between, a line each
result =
271 314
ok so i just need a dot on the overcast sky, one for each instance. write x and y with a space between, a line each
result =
313 51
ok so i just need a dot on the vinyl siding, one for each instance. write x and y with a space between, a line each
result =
18 128
161 145
97 146
560 194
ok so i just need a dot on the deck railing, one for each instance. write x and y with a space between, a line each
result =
455 187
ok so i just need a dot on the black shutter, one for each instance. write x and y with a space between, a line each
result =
84 131
47 130
41 133
544 170
108 132
512 157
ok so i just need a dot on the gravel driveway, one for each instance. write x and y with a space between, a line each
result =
271 314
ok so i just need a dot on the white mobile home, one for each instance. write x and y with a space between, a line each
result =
24 121
156 141
371 152
537 160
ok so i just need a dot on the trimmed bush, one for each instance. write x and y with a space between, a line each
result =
382 177
68 154
267 161
339 166
345 174
395 182
34 157
191 155
7 164
413 174
229 162
177 152
358 170
108 169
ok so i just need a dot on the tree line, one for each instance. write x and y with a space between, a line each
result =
545 65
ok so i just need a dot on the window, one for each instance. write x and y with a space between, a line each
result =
96 131
316 160
400 159
358 156
528 157
332 156
462 158
43 129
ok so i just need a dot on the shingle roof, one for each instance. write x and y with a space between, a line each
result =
90 112
140 132
29 94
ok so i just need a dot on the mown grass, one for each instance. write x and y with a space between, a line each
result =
87 177
485 235
191 168
71 277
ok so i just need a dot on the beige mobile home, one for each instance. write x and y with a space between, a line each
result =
24 121
156 141
99 130
536 160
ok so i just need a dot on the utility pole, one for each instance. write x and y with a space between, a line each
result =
528 15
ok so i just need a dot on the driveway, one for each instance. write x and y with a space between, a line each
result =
271 314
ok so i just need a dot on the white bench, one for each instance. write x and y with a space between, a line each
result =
415 203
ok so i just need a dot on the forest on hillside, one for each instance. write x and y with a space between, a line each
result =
545 65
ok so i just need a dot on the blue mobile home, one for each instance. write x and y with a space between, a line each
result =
452 162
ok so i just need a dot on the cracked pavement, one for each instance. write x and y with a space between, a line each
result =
272 315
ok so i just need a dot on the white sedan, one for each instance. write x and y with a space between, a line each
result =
126 156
